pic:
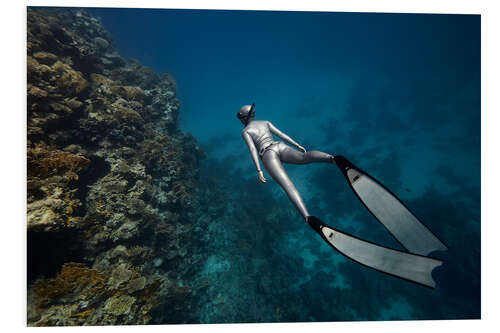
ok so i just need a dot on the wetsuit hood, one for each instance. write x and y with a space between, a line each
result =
246 113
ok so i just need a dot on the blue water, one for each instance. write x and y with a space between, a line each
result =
398 94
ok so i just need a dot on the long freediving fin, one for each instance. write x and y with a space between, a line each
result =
415 236
407 266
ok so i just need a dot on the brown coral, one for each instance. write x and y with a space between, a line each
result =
124 116
129 93
74 277
119 305
99 79
45 58
44 161
68 79
35 92
51 201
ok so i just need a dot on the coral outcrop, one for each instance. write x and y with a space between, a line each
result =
111 181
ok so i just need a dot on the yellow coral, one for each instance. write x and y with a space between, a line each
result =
119 304
71 277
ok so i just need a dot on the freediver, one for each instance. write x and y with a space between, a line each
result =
257 135
414 236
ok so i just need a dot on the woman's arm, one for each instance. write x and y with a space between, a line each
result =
285 137
253 152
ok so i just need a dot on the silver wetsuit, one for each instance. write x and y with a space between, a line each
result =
258 136
413 265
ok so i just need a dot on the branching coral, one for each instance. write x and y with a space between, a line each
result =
80 295
74 277
120 217
44 161
119 305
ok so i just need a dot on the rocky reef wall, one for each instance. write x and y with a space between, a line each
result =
111 182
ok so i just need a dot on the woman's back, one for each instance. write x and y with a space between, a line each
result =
259 132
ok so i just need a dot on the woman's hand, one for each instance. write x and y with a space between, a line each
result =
302 149
261 176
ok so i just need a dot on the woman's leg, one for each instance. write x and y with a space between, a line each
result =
293 156
273 165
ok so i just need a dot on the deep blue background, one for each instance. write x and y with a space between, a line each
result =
399 94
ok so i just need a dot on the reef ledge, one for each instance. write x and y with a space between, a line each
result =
111 181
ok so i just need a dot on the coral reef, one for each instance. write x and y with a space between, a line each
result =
52 186
82 296
111 181
125 225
